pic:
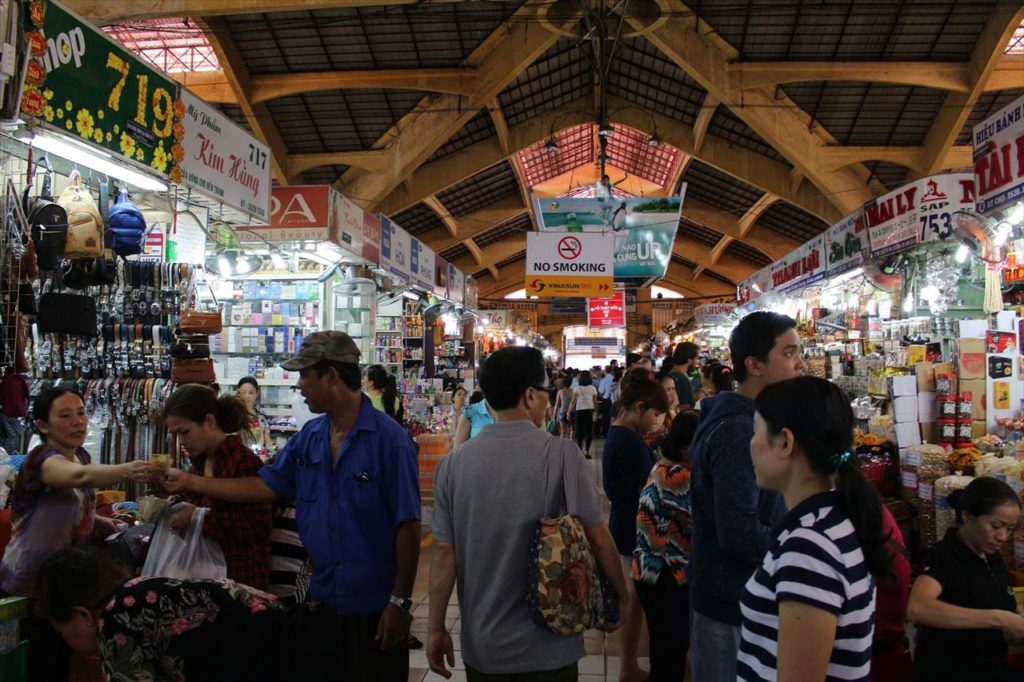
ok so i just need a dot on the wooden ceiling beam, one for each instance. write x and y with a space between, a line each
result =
718 249
753 168
671 186
727 266
511 48
103 12
755 212
500 124
237 73
1008 74
952 76
450 221
988 51
695 48
492 253
958 156
700 126
771 244
479 222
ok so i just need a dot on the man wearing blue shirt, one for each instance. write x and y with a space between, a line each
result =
604 389
354 477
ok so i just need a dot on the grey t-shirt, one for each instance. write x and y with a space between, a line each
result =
488 498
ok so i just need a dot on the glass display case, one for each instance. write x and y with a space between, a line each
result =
353 311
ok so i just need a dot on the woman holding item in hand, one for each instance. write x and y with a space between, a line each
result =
54 506
202 421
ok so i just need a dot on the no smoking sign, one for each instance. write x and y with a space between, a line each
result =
569 248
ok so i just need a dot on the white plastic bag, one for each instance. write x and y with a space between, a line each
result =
184 554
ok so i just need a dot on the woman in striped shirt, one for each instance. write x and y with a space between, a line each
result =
808 611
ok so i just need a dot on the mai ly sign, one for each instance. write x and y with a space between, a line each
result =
86 86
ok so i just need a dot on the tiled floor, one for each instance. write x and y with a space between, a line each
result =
600 665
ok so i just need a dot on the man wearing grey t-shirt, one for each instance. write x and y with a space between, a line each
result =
489 495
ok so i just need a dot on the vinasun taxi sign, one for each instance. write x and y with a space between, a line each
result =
569 264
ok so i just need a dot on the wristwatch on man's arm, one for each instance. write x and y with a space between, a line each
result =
403 603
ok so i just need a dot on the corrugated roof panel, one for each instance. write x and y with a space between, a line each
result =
480 127
629 150
480 190
892 175
870 113
517 225
698 233
339 120
323 175
418 219
575 149
747 254
642 74
728 126
719 189
988 104
788 220
561 75
455 252
511 259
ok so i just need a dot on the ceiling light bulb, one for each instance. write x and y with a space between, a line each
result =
654 141
224 265
551 145
961 253
606 130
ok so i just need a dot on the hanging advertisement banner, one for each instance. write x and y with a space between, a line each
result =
569 264
495 320
298 212
643 229
802 267
561 305
607 312
755 286
223 161
456 285
999 158
395 249
713 314
356 231
421 264
918 212
472 301
440 277
847 244
93 89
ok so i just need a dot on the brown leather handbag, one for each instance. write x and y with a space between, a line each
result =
193 371
193 321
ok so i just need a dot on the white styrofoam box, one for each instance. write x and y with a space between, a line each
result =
927 407
972 329
908 434
1006 321
905 409
904 385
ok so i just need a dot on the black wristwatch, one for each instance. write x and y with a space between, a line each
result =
403 603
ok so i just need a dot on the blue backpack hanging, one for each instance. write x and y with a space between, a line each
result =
127 227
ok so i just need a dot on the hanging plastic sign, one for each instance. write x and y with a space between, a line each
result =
472 299
95 90
355 230
223 161
298 212
755 286
802 267
999 158
919 212
440 277
495 319
456 285
569 264
644 229
847 244
395 249
607 312
421 264
713 314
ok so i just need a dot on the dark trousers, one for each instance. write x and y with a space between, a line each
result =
605 407
584 428
567 674
667 607
319 644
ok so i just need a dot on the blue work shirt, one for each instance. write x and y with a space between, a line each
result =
604 387
348 516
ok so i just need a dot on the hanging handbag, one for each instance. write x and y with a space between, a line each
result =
48 222
67 314
188 346
565 591
27 299
127 227
85 225
192 371
193 321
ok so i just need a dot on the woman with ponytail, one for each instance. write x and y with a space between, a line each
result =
626 463
382 390
962 601
202 421
808 611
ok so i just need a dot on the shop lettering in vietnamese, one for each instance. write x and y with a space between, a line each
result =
897 205
996 169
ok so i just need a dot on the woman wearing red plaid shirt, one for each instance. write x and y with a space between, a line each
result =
202 422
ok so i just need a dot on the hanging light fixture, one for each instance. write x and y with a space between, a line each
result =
551 145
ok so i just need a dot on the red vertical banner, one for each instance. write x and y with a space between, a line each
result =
607 312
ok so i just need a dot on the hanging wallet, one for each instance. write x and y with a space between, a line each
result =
67 314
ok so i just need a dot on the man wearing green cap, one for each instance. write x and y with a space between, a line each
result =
354 477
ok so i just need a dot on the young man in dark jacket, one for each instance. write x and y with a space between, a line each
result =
732 518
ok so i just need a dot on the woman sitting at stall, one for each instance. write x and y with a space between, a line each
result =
164 630
258 434
808 611
202 422
54 506
962 601
382 390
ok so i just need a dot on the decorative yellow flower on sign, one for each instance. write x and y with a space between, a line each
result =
101 114
117 128
109 138
140 154
68 105
48 93
48 114
160 159
60 114
97 135
85 124
127 145
69 124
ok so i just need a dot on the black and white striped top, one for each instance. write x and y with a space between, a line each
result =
815 559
